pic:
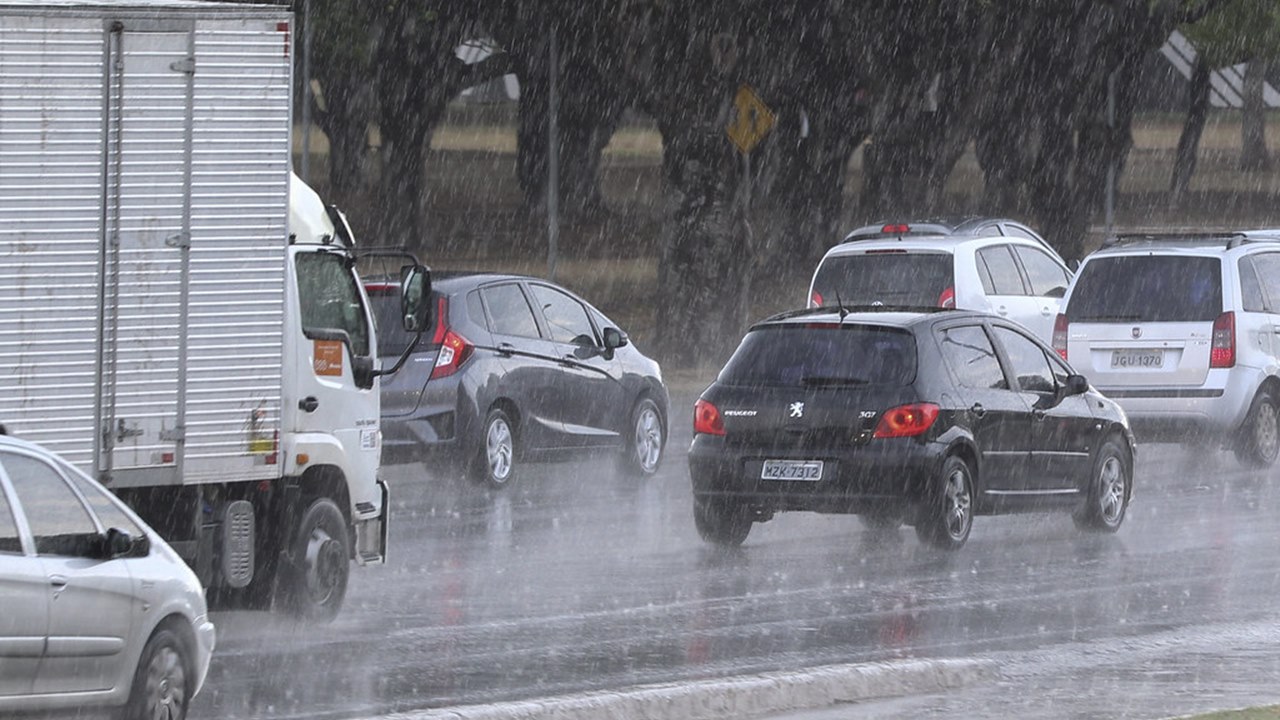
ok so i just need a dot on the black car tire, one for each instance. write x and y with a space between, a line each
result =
720 522
495 463
946 512
321 563
1110 485
645 440
1259 443
161 685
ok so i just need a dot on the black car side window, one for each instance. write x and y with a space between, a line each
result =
1030 365
10 541
972 357
59 522
565 316
510 311
1005 278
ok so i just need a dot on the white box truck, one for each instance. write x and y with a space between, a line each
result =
179 315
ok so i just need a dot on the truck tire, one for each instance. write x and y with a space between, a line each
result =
321 564
161 688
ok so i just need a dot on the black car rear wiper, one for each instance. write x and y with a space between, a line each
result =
832 380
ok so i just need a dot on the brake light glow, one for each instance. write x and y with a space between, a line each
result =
947 299
706 419
896 229
454 351
1060 327
1222 349
815 300
906 420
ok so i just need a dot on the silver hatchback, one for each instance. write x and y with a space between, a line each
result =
97 609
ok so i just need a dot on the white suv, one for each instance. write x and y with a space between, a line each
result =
1183 332
1017 277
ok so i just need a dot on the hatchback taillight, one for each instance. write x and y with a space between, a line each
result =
947 299
454 351
896 229
907 420
706 419
815 299
1222 349
1060 327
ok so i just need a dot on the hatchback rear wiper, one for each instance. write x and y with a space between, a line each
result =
832 380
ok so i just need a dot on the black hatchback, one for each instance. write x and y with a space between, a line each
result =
514 369
919 417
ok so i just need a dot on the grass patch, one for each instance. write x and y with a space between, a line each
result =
1260 713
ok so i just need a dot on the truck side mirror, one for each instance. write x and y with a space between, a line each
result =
415 297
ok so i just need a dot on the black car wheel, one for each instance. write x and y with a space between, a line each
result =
160 688
1260 438
946 514
321 563
1108 493
642 449
496 461
720 522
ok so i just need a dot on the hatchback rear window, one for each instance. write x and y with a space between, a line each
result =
888 278
1148 289
822 355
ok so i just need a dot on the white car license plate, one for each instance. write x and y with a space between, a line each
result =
1137 358
807 470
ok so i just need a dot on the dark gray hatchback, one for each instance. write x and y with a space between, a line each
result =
927 418
516 369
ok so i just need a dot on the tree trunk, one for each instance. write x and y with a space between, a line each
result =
1253 123
703 270
1184 163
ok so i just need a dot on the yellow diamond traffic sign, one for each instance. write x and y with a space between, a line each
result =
751 121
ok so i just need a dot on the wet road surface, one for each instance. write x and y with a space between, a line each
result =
582 579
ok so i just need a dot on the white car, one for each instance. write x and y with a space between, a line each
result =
1184 332
97 610
1016 277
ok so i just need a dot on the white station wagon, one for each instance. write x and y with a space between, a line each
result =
95 609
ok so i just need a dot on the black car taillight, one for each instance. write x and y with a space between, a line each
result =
706 419
907 420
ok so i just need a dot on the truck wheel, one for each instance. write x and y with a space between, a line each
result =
1259 443
642 446
721 523
1108 492
946 512
495 464
321 563
160 688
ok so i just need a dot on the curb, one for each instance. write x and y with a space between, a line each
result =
748 695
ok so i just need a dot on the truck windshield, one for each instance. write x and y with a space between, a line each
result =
330 300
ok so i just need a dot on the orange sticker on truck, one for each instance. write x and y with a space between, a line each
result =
327 359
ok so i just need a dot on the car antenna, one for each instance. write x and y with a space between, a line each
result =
840 304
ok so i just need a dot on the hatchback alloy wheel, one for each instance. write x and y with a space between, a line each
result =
498 449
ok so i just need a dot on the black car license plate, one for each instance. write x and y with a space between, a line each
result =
803 470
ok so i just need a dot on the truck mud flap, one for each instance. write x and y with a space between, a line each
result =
371 534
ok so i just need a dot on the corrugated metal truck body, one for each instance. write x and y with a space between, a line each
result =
145 264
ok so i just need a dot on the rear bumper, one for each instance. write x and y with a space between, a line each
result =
881 474
1179 412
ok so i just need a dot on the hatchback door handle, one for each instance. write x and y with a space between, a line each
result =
1002 310
506 349
59 583
978 410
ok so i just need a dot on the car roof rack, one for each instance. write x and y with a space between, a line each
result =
1227 239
